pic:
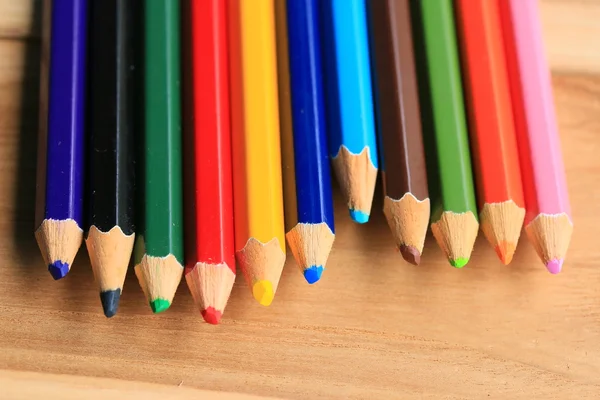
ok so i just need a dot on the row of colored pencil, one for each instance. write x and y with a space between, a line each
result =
155 110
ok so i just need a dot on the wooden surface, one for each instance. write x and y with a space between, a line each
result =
375 327
19 385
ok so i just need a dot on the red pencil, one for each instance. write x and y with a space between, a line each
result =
210 260
491 125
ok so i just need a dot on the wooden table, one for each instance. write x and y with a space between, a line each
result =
375 327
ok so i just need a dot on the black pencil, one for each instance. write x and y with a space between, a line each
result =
111 182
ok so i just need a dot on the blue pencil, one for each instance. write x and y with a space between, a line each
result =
59 205
352 140
312 233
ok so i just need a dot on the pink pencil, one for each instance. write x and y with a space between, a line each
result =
548 221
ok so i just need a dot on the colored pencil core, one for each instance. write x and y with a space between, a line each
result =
212 315
58 269
359 216
410 254
459 262
110 302
263 292
313 273
505 251
159 305
555 266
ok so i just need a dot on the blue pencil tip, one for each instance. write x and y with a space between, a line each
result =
313 273
58 269
359 216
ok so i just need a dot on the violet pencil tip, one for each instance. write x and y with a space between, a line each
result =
555 266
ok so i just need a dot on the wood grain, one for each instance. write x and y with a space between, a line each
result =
571 31
375 327
29 385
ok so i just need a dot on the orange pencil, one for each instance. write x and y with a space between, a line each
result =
492 131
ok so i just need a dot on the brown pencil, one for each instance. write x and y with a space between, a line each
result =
406 203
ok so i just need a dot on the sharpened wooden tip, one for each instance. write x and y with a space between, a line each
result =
550 235
159 278
210 285
110 253
59 241
455 233
262 264
357 176
408 219
311 245
501 224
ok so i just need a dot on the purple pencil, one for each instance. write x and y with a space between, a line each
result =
61 140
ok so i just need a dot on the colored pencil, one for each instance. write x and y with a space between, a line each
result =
406 197
454 211
548 220
311 233
110 123
209 243
258 197
350 119
290 206
59 205
159 247
492 133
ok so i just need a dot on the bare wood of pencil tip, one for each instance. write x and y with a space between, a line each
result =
509 217
210 285
311 245
456 234
59 240
109 253
550 236
159 278
408 219
357 178
406 203
262 265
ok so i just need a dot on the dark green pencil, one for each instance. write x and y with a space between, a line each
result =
159 248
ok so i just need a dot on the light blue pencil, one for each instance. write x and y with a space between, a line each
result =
351 126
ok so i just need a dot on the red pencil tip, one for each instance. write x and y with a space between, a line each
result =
410 254
212 316
505 251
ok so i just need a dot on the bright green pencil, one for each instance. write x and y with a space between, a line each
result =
159 249
454 210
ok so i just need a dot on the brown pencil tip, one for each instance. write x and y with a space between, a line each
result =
410 254
505 251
